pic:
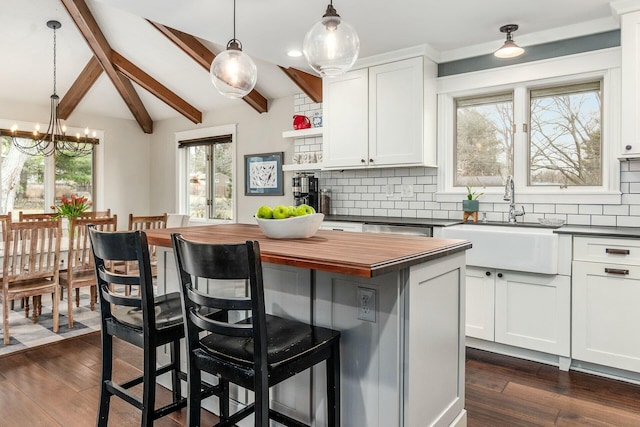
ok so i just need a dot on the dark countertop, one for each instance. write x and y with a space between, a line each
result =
601 231
390 220
584 230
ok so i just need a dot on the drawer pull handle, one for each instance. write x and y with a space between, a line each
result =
617 251
616 271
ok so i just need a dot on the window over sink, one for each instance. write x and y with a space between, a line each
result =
553 125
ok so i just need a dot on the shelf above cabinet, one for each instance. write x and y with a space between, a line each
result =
302 167
302 133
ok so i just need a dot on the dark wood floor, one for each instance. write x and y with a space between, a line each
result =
509 392
57 385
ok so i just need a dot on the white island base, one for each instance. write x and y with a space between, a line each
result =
405 368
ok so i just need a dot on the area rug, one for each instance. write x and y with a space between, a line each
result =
27 334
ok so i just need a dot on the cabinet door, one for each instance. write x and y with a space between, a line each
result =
533 311
345 102
479 300
606 314
630 42
396 112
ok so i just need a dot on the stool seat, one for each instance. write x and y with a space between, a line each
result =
287 340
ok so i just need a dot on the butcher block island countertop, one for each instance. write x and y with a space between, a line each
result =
356 254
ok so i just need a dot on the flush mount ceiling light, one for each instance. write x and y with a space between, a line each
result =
233 72
331 46
509 49
54 140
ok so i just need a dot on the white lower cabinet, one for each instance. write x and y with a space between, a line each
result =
524 310
606 314
533 311
480 303
342 226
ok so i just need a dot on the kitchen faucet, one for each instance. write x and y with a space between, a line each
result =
509 195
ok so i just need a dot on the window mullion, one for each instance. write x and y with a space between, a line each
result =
520 138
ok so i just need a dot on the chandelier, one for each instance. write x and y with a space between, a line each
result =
55 139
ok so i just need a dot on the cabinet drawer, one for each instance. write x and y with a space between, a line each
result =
607 250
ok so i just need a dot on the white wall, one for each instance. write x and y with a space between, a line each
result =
122 159
256 133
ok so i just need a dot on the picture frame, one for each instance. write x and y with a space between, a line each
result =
263 174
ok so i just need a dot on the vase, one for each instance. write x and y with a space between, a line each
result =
470 205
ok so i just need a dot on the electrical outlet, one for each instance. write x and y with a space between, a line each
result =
366 304
407 190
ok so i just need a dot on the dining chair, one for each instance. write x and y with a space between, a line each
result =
145 321
80 271
145 222
34 216
31 265
256 353
96 214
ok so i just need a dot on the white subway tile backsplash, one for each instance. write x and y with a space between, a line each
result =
628 221
567 209
590 209
633 165
579 219
542 208
616 209
603 220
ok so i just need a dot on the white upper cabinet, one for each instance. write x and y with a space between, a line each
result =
630 40
375 117
345 119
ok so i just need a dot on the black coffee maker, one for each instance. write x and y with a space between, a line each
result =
305 190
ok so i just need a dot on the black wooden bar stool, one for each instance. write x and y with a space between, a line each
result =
255 353
144 321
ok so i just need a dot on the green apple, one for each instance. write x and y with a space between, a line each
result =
292 211
304 210
265 212
280 212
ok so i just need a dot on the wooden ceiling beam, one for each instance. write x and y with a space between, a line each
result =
90 30
79 88
203 56
132 72
308 83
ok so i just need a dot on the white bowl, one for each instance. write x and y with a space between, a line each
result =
297 227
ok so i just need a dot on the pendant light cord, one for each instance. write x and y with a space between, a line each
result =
234 19
54 61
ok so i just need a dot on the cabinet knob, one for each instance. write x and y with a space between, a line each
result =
488 273
628 147
370 160
363 161
499 274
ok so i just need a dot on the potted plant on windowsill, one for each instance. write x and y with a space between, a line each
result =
470 205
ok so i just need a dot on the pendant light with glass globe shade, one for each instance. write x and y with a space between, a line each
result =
233 72
331 46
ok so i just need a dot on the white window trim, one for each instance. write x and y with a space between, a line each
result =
603 64
182 158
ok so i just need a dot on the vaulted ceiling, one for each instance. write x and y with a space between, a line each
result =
147 59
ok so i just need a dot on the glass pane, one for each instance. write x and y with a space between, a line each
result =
565 142
223 181
197 167
74 175
484 140
22 181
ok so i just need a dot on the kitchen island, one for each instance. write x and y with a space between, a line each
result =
398 301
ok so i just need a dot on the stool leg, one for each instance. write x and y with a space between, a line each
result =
175 373
194 380
333 386
261 401
107 369
224 399
148 386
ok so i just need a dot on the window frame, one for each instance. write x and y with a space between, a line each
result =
50 170
182 183
601 65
